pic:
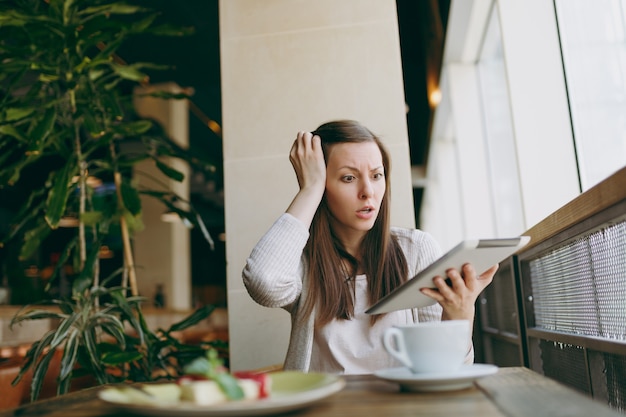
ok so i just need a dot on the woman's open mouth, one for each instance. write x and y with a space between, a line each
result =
365 212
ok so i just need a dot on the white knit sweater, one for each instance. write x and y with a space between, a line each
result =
275 275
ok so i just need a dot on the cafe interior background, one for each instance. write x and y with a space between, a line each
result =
496 114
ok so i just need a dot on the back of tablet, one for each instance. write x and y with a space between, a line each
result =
481 253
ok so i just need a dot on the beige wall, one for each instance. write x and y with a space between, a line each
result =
289 65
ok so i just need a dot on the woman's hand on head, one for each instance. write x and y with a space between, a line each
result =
307 159
458 297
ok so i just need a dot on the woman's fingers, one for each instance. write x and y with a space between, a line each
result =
307 159
489 274
458 293
305 146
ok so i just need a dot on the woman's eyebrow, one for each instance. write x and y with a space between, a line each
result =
349 168
357 170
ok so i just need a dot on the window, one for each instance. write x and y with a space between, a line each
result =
593 42
499 137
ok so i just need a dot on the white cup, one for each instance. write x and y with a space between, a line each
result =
427 347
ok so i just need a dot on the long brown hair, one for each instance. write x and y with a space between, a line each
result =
331 287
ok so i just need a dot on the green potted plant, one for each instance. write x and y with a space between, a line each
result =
65 115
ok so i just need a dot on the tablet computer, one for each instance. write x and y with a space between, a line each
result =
482 253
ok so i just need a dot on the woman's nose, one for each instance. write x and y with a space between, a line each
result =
367 190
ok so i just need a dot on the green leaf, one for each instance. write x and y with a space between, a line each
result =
63 330
170 30
199 366
112 106
41 369
205 232
118 358
134 223
86 277
106 347
112 275
63 386
130 198
70 353
170 172
129 72
10 130
43 128
104 316
33 240
140 317
34 315
33 354
48 78
129 313
92 125
114 8
96 73
90 345
12 18
229 385
65 306
91 218
136 128
61 263
116 331
212 367
142 25
15 113
59 193
29 211
194 318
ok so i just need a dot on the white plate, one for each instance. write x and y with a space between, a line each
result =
463 378
291 390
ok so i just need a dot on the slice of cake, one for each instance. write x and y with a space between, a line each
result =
206 381
208 392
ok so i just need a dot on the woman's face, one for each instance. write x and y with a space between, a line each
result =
355 186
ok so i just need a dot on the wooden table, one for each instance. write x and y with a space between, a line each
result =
512 391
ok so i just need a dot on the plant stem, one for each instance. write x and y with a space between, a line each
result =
82 240
128 253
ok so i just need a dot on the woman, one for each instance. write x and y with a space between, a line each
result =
333 253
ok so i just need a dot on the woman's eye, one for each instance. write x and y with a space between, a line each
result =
349 178
379 175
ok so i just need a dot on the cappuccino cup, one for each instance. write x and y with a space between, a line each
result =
429 347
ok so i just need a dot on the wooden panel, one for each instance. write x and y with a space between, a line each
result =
606 194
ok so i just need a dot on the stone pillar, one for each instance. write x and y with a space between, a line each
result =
287 66
163 249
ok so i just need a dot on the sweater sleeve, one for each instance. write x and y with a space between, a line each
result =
274 270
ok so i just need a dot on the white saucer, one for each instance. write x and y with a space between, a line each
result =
463 378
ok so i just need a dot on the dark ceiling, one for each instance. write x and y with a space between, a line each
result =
422 26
